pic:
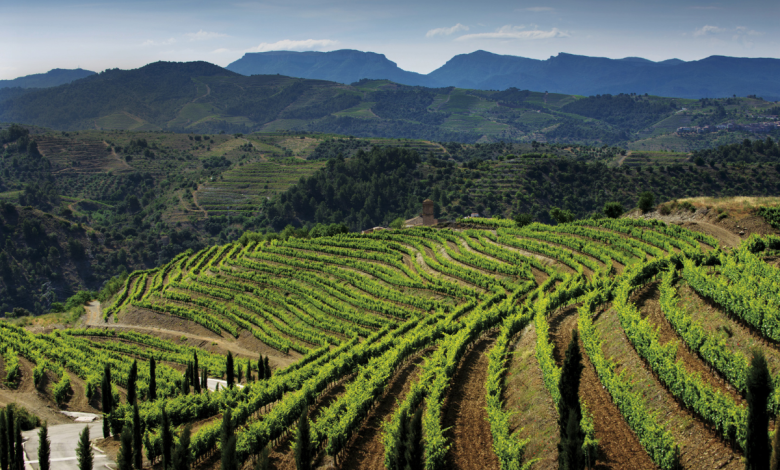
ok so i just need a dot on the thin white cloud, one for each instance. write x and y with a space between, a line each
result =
708 29
291 45
166 42
539 9
446 31
203 35
516 32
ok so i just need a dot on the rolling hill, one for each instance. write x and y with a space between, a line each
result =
49 79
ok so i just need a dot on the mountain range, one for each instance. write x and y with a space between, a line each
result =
49 79
712 77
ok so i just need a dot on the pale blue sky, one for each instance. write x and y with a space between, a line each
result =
420 36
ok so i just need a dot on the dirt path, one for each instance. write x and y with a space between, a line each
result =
367 451
619 447
465 414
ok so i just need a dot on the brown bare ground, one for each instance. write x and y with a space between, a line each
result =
465 414
700 446
534 415
367 451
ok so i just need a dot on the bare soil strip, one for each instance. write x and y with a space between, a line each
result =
535 417
700 446
465 413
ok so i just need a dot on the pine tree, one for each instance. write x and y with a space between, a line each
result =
167 438
3 442
132 377
107 399
228 442
152 379
195 378
229 369
303 443
572 437
19 457
137 443
267 365
759 386
413 451
84 451
44 447
125 457
182 455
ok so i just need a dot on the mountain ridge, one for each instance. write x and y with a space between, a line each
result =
53 77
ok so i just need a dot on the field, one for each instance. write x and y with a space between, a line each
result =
468 324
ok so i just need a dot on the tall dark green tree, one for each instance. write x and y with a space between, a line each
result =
19 449
182 456
167 438
570 455
248 371
759 387
195 378
613 210
230 370
124 460
152 379
132 377
261 368
138 448
239 373
303 448
44 447
84 451
204 379
10 427
107 400
268 371
3 441
228 442
646 201
413 450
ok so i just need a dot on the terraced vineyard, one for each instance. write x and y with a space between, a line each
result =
467 325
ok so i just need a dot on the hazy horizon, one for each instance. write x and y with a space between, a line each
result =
418 37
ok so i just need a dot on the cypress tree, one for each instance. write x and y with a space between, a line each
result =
10 427
182 455
132 376
167 438
229 369
759 386
152 379
263 460
84 451
261 369
19 457
204 379
303 443
124 460
267 366
228 442
248 371
413 451
3 442
44 447
195 378
239 373
107 400
185 385
137 443
570 413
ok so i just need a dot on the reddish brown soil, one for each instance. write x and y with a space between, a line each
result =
367 451
465 414
618 445
647 300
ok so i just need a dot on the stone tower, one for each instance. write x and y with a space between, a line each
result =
427 213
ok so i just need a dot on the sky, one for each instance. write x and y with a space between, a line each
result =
419 35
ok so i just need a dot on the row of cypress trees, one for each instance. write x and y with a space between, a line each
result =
11 449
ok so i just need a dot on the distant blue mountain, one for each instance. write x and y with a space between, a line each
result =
713 77
49 79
